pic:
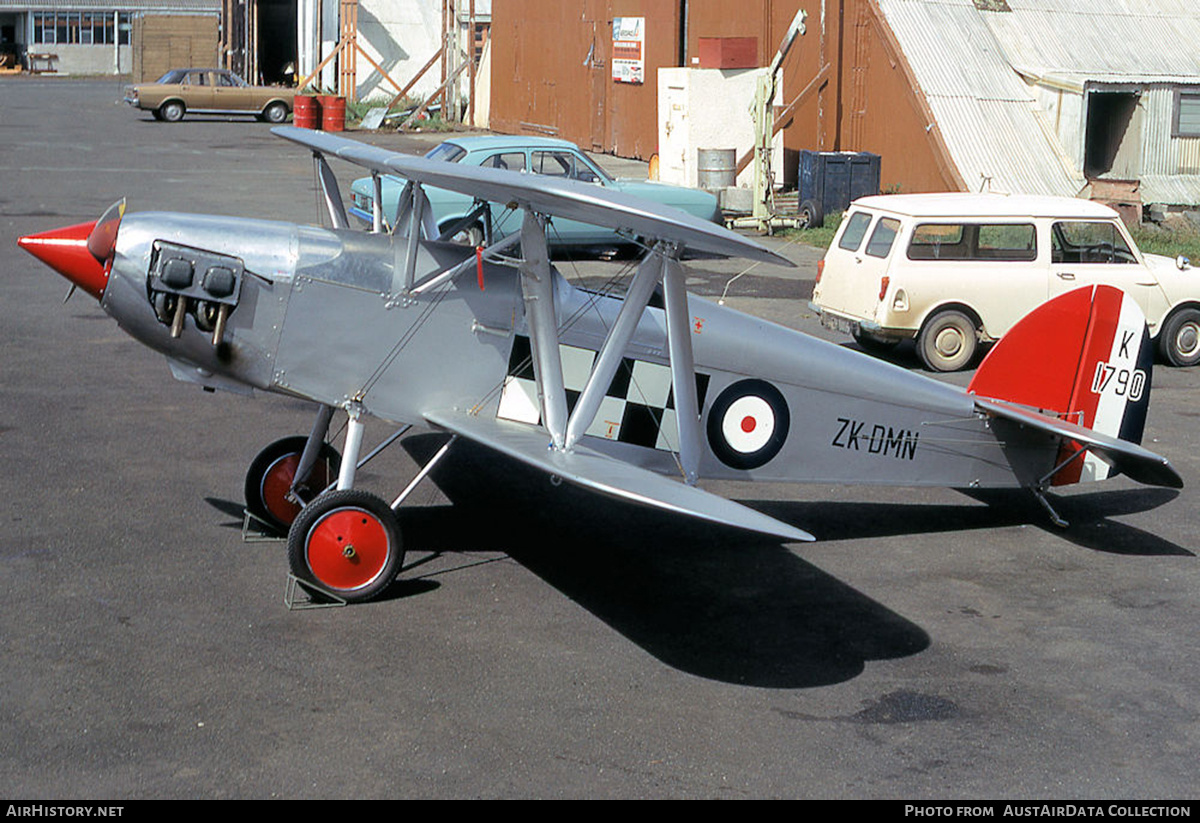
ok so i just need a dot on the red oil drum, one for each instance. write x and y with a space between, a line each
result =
306 111
333 112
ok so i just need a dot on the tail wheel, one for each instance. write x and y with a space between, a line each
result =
347 544
948 341
270 478
1179 340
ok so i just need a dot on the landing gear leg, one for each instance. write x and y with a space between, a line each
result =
346 544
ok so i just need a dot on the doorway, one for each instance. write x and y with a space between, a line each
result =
1113 140
277 43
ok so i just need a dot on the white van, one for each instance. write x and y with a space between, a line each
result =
955 270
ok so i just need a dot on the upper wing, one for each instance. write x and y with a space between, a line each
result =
571 199
601 473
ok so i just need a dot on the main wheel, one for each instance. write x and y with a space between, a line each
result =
172 111
275 113
347 544
1179 340
948 341
272 473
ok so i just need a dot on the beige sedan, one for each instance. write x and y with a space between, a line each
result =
209 91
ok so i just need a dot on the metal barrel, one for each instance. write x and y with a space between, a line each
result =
306 111
333 112
716 168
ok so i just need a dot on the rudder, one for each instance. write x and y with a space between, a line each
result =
1084 356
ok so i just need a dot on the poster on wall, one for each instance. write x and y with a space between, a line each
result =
628 50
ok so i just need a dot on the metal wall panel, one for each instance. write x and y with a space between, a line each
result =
558 58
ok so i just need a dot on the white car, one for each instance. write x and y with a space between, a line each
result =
957 270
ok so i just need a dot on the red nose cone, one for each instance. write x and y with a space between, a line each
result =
66 251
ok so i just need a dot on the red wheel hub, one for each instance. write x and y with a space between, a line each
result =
277 482
347 549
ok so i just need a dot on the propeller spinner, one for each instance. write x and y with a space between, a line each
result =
81 253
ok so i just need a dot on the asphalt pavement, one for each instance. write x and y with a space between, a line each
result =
540 642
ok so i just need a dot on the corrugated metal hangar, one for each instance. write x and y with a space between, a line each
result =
1032 96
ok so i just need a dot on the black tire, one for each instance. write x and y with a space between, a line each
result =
172 111
874 345
1179 340
271 473
948 341
811 216
346 544
275 113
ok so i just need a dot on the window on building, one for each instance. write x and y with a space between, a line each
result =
1187 112
80 28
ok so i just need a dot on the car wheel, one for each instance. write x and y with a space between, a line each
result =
874 345
275 113
948 341
1179 341
811 216
172 111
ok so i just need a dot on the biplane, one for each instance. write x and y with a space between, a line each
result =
638 396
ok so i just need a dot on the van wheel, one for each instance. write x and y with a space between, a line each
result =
948 341
1179 341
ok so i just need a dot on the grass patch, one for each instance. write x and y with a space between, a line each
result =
1171 242
818 237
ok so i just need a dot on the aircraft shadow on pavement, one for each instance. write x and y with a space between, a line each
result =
708 600
1089 515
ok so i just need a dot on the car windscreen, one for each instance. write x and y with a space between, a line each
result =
446 151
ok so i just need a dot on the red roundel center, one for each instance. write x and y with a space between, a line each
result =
748 424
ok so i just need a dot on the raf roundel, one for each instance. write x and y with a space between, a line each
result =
748 424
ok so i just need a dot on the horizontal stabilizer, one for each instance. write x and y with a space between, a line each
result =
570 199
1127 458
610 476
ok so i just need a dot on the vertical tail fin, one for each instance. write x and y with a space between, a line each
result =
1085 357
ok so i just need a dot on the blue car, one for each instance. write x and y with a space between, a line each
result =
537 155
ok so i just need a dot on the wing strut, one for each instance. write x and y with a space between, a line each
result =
331 193
537 287
661 265
683 366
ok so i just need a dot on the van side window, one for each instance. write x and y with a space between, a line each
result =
1001 241
855 231
968 241
882 238
1088 242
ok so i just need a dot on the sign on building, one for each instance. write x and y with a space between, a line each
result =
629 50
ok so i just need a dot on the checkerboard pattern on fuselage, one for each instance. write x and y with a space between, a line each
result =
638 408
